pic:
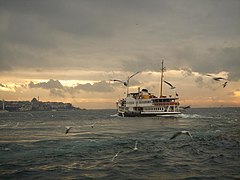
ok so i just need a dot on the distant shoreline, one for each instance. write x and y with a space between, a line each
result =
35 105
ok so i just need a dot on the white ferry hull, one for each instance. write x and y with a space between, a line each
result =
147 114
131 107
160 113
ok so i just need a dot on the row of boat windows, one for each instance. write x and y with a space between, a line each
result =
163 100
140 102
150 101
154 109
143 102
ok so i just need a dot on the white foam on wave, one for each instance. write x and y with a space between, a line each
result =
186 116
114 115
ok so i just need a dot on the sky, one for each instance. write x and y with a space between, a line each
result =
69 51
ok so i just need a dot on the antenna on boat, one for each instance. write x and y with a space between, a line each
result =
161 83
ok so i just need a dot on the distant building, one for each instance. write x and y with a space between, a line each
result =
36 105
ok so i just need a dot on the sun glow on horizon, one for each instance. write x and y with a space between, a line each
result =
237 93
198 94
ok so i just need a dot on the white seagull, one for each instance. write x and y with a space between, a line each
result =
67 129
30 114
171 86
181 132
93 124
125 83
17 124
115 155
216 78
135 147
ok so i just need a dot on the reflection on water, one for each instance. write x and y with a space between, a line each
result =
36 146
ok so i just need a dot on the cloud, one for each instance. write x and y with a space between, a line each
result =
227 59
186 71
7 88
57 92
101 86
51 84
119 35
57 89
210 60
199 81
2 85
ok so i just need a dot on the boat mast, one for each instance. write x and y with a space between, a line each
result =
161 83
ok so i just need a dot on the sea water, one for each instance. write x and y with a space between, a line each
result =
35 146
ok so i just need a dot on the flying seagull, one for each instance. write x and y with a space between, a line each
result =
216 78
67 129
125 83
93 124
224 84
115 155
135 147
181 132
185 107
17 124
30 114
171 86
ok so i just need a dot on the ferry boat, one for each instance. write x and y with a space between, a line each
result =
144 103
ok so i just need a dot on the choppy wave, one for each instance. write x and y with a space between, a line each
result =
39 148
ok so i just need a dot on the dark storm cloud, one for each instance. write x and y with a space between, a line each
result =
228 59
212 60
125 35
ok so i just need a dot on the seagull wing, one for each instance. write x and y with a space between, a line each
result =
118 80
17 124
134 75
176 134
30 114
218 78
209 75
186 107
169 84
93 124
136 144
115 155
124 83
67 129
189 134
224 84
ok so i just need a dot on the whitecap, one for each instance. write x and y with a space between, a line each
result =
187 116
